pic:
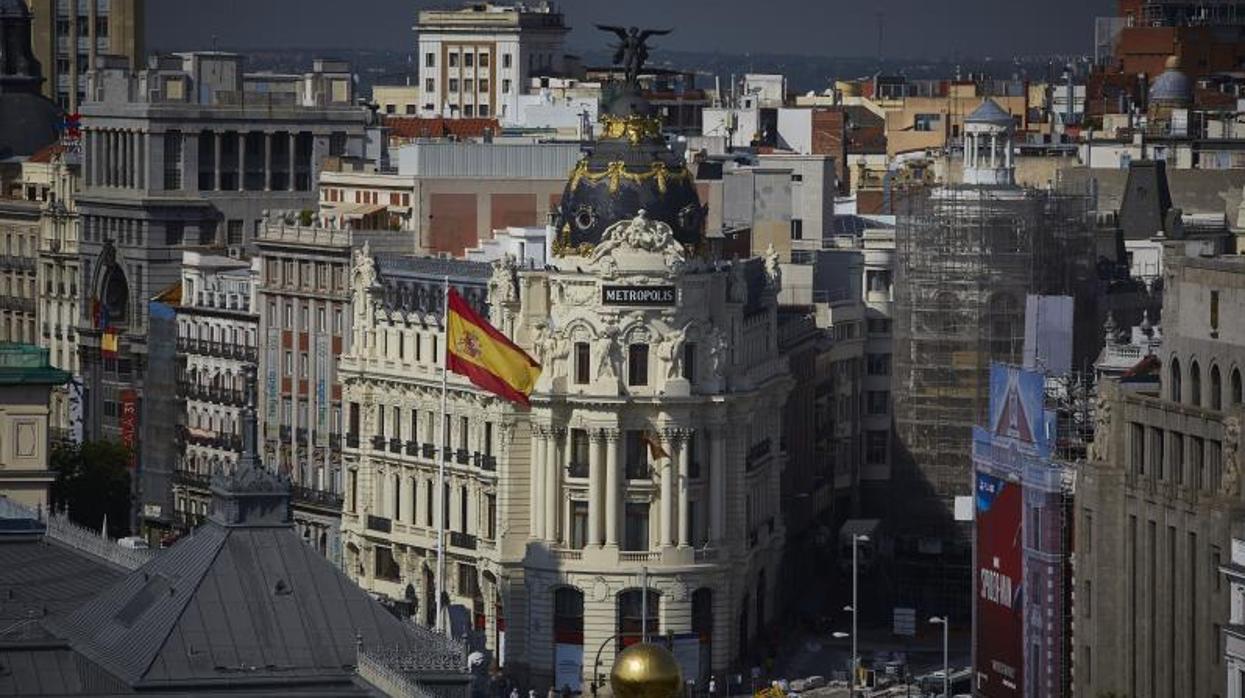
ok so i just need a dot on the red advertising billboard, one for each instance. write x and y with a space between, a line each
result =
1000 615
129 423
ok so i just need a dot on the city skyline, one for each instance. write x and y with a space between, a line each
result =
911 29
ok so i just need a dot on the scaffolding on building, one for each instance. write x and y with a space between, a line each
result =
967 259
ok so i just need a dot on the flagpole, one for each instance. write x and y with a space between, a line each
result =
442 625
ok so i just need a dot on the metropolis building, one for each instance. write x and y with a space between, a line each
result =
641 489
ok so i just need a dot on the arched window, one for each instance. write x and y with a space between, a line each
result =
1175 394
1236 386
702 626
568 615
632 618
1195 384
1216 388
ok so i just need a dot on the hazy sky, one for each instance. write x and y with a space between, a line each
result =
913 28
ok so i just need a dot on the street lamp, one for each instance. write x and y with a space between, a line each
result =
946 671
857 539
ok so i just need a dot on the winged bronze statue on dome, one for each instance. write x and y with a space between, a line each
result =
632 51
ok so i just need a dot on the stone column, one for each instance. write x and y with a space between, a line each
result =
668 440
267 162
111 157
553 466
408 501
216 169
684 476
717 485
595 478
293 142
539 447
134 159
612 493
241 161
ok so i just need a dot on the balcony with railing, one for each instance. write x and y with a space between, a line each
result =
219 350
465 541
187 390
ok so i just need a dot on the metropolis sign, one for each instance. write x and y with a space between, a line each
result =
637 295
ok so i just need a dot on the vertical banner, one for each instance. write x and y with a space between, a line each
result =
129 424
1000 618
568 666
272 382
322 390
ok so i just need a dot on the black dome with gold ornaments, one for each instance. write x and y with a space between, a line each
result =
629 168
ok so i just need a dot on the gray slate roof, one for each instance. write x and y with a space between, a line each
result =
233 605
990 113
40 578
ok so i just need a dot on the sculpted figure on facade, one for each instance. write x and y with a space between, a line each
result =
773 271
719 352
1231 485
503 286
641 234
1099 449
608 352
671 352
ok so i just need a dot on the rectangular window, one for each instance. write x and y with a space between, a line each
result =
469 60
430 60
429 86
877 402
1214 311
173 160
1156 454
453 83
637 364
490 516
302 364
797 229
579 453
878 364
483 86
488 438
469 86
462 433
635 527
1137 446
289 363
689 361
583 358
505 86
380 420
454 60
926 122
579 524
484 60
506 60
637 455
875 447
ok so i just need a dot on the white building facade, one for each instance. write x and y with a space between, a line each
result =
217 328
474 61
644 478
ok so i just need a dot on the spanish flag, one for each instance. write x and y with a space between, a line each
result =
477 350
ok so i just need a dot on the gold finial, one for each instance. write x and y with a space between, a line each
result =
646 670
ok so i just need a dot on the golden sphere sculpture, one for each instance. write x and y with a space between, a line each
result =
645 670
